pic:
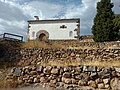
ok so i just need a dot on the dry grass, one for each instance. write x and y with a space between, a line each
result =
42 44
9 84
69 45
3 83
86 63
38 44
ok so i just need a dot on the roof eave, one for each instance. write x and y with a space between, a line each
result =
53 20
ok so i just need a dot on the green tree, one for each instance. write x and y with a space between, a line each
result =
103 28
117 20
117 23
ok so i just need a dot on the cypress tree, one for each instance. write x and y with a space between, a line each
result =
117 24
103 28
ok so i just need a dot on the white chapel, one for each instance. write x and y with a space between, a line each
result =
58 29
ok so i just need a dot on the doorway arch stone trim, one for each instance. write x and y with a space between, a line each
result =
42 32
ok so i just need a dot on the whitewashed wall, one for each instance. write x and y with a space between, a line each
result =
54 30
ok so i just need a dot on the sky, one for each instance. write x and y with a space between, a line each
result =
14 14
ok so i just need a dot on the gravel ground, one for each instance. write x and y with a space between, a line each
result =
29 88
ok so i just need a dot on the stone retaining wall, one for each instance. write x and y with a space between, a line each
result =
75 50
35 56
69 78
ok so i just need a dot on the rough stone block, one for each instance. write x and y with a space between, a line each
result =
67 75
101 86
68 81
98 80
106 80
79 69
17 71
104 74
33 73
92 84
74 81
53 81
39 68
107 86
82 83
67 69
43 80
89 68
93 75
115 84
55 71
47 70
36 80
117 70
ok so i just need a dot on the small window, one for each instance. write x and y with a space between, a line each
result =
63 26
33 34
70 33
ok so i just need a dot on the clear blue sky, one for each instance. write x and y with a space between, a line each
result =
15 13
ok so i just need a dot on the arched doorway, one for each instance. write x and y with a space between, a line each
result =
42 35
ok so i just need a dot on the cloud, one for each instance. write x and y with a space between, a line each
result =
14 16
85 11
12 19
41 8
88 15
